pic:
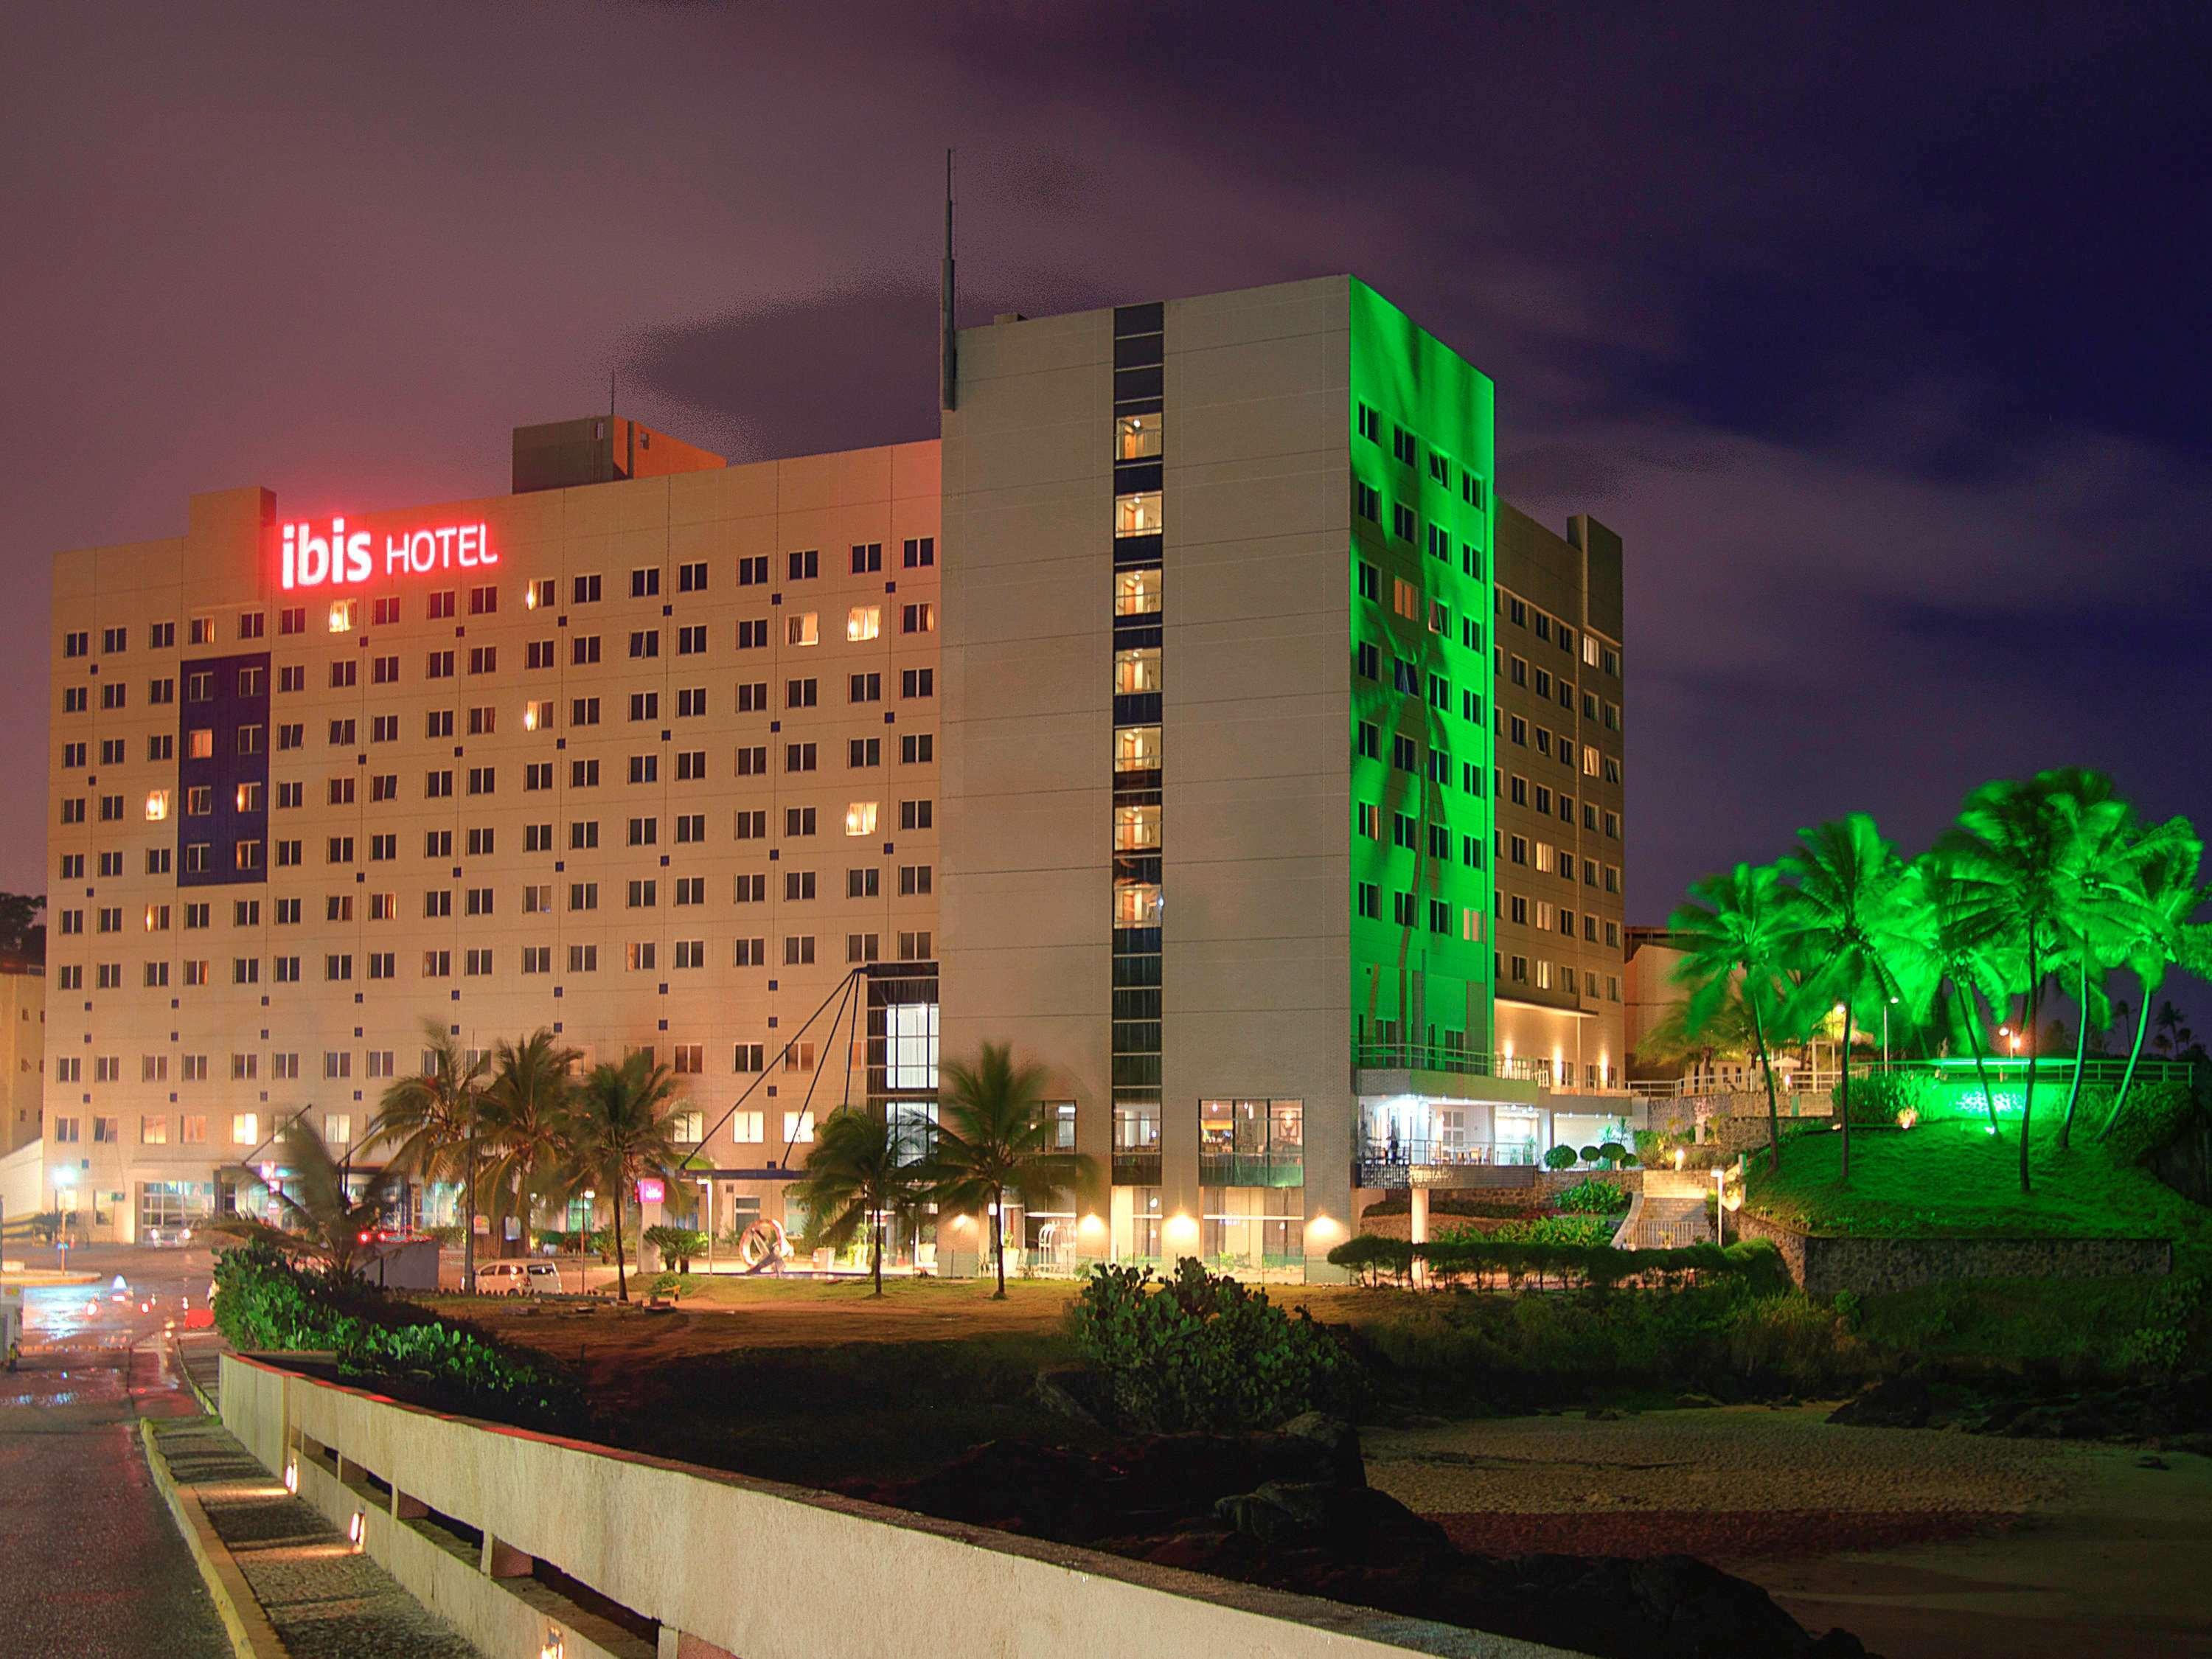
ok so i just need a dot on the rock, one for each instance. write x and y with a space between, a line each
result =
1694 1401
1071 1392
1603 1414
2152 1460
1338 1439
1354 1523
1901 1402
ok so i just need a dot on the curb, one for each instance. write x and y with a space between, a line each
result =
252 1636
177 1358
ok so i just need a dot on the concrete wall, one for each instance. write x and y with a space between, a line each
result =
743 1566
22 1054
1868 1267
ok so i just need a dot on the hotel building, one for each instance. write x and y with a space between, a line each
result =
1191 716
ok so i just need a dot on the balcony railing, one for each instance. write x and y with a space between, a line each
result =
1431 1151
1437 1057
1282 1167
1798 1079
1133 1168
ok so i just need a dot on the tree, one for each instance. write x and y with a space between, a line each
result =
993 1138
2018 851
1958 939
323 1220
2173 1033
1849 928
22 933
526 1118
862 1170
435 1121
1730 932
1727 1035
620 1133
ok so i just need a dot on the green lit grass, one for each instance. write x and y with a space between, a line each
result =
1951 1177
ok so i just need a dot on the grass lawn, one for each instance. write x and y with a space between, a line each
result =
1951 1177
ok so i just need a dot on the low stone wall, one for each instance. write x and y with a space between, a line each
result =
1868 1267
1552 1182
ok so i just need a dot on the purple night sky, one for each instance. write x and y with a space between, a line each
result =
1880 337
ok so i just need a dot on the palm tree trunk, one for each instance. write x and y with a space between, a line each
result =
2080 1047
469 1221
622 1279
876 1252
999 1237
2128 1077
1972 1021
1844 1095
2027 1098
1767 1065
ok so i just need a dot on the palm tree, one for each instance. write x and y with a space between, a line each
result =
1959 942
436 1120
2166 936
993 1138
620 1131
862 1170
323 1220
1850 929
2173 1032
1731 936
526 1117
2018 849
1727 1034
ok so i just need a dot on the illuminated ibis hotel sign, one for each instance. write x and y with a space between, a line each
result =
338 557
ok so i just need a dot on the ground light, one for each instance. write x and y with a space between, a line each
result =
355 1529
552 1646
292 1474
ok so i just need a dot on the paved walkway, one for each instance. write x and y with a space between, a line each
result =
324 1600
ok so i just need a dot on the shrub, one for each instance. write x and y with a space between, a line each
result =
262 1301
677 1244
1561 1157
1589 1154
448 1237
1488 1262
1593 1198
1879 1096
1204 1351
1611 1152
2155 1114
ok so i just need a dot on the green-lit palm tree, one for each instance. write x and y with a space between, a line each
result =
2167 935
1959 941
1727 1036
993 1138
2018 851
322 1220
526 1119
862 1172
1731 934
619 1131
435 1123
1850 930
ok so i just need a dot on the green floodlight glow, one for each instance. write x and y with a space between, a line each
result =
1415 382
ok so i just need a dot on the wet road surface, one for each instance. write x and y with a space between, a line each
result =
91 1565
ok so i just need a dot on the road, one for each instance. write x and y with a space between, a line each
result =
93 1563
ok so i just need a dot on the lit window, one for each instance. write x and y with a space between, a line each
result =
863 622
860 818
199 745
1136 904
1136 437
1136 827
342 615
157 805
1136 748
1138 514
1137 671
802 629
245 1128
536 716
1136 593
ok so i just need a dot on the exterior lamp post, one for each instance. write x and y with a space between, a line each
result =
591 1206
1885 1032
1720 1204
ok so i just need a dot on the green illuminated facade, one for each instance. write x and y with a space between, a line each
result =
1423 457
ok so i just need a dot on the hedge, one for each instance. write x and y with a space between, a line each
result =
1488 1264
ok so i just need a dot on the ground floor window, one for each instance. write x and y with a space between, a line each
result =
173 1203
1252 1229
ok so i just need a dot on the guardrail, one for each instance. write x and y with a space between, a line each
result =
531 1545
1435 1057
2098 1069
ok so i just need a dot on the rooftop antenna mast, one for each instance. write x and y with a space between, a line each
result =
947 347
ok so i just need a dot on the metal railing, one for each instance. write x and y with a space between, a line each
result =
1430 1151
1438 1057
2097 1068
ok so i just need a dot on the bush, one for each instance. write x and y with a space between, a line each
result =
1593 1198
1203 1352
1589 1154
262 1301
2155 1114
448 1237
1562 1157
1611 1152
677 1244
1491 1263
1879 1096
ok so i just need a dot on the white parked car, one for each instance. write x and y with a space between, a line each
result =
518 1279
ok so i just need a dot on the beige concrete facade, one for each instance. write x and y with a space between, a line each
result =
23 1053
1561 811
492 803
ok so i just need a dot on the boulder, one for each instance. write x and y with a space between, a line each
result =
1338 1439
1352 1523
1900 1403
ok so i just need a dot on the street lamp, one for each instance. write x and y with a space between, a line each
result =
1886 1007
